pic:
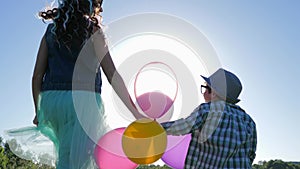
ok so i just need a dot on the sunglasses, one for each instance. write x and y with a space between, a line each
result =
204 88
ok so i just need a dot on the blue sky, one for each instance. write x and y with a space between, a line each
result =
257 40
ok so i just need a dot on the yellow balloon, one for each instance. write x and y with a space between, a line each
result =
144 141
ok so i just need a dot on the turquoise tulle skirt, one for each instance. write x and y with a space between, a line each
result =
70 124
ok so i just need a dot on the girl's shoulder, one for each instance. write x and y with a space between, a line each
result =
98 30
95 29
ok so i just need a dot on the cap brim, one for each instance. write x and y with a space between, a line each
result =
206 80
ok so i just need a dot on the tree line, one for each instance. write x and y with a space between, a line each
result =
9 160
276 164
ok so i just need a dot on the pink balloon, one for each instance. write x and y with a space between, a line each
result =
109 152
176 151
154 104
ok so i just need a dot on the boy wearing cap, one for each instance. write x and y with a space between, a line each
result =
223 134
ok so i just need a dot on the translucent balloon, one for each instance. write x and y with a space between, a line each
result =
176 151
109 153
154 104
144 141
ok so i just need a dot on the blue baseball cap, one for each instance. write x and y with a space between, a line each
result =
225 84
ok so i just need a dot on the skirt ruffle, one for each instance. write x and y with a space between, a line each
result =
70 125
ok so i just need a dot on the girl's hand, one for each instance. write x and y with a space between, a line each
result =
35 120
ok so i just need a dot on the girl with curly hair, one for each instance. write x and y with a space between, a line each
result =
66 84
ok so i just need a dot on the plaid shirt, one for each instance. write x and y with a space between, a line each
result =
223 136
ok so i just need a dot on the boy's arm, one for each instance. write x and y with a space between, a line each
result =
185 125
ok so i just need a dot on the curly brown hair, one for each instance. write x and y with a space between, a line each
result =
73 19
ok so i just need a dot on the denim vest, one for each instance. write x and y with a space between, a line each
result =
61 64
